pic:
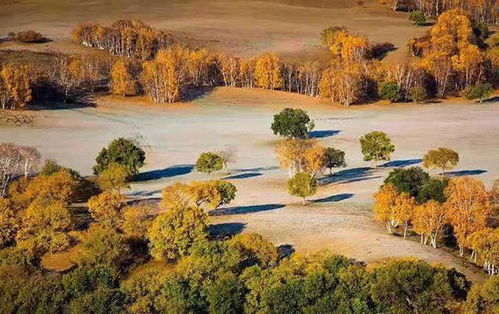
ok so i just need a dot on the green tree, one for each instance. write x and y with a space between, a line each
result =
483 298
302 185
209 162
334 158
442 158
293 123
173 232
227 191
226 295
121 151
390 91
408 180
376 146
479 91
433 189
417 17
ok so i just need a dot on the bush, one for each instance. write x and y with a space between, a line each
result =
209 162
123 152
418 94
390 91
293 123
417 17
479 91
30 37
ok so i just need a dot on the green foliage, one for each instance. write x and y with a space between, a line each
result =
100 301
226 295
433 189
227 191
302 185
209 162
408 180
390 91
293 123
115 177
334 158
442 158
483 298
417 17
172 233
87 279
376 146
418 94
121 151
479 91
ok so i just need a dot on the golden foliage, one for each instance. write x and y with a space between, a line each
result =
485 244
429 221
393 208
122 79
291 154
16 80
9 222
252 246
268 71
106 208
115 177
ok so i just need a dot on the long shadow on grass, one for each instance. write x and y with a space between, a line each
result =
323 133
223 230
243 176
463 173
169 172
350 175
401 163
334 198
242 210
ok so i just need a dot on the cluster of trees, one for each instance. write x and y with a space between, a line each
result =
131 260
484 11
461 208
127 38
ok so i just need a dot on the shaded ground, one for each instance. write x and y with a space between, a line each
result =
339 216
242 27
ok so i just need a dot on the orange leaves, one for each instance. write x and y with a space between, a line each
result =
429 220
268 71
16 82
122 80
393 208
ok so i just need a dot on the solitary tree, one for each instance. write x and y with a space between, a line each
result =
333 158
302 185
442 158
209 162
376 146
121 151
293 123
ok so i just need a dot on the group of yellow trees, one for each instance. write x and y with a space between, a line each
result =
469 209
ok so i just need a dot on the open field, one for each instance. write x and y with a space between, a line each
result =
339 217
242 27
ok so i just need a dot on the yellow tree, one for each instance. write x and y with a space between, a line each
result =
136 222
469 63
291 152
443 158
313 159
485 245
342 82
429 221
9 222
355 48
115 177
106 208
468 207
268 71
60 186
393 208
122 80
252 247
17 81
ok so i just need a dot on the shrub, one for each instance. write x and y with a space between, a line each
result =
293 123
390 91
417 17
123 152
418 94
209 162
30 37
479 91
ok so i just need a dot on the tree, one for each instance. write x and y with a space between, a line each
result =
482 298
9 222
136 222
268 71
417 17
228 157
254 249
329 36
114 177
418 94
479 91
121 151
342 82
433 189
485 245
106 207
60 186
333 158
302 185
376 146
17 81
390 91
291 154
209 162
429 221
393 208
408 180
122 80
469 206
443 158
292 123
313 160
16 160
173 232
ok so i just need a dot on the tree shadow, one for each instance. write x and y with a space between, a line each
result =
257 169
225 230
243 210
401 163
285 250
491 99
174 171
323 134
143 193
193 93
334 198
243 176
350 175
464 173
